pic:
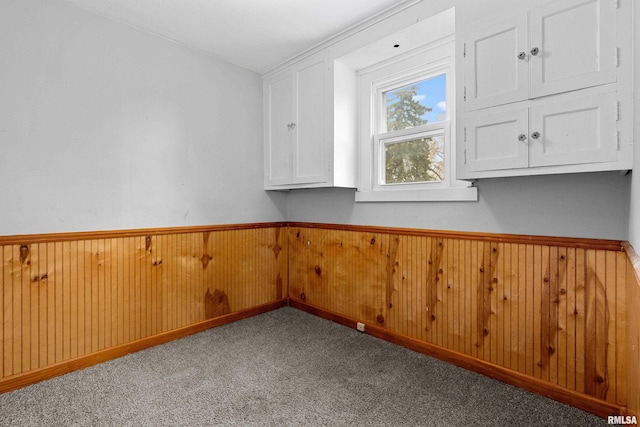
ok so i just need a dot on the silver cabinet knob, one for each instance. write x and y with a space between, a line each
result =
535 135
522 55
522 137
291 126
535 51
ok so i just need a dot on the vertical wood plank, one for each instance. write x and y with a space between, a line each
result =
474 282
31 284
59 287
496 308
580 318
7 311
621 337
610 275
43 317
523 326
571 304
561 355
97 310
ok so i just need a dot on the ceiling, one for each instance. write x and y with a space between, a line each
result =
255 34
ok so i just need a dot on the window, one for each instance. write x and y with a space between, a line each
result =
406 107
412 129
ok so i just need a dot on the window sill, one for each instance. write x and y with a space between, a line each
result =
454 194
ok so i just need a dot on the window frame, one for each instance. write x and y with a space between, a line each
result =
420 64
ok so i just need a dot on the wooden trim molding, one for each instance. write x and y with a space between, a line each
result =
22 239
583 243
634 259
561 394
52 371
574 242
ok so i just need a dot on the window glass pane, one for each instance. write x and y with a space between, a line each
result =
416 160
416 104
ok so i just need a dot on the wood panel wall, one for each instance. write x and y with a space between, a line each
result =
551 310
557 316
67 296
633 330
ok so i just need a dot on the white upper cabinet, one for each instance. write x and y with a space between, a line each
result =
495 66
574 130
296 126
309 123
559 47
497 139
573 45
301 147
278 96
543 91
570 129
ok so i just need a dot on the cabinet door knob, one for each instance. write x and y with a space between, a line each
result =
522 137
535 51
522 55
291 126
535 135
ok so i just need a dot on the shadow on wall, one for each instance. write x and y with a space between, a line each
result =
594 205
591 205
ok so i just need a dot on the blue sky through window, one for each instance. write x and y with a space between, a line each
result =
432 93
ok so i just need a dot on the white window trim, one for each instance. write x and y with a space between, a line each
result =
431 59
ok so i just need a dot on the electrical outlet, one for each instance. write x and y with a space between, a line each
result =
360 326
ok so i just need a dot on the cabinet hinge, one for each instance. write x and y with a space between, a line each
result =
464 94
617 141
465 156
617 56
464 50
617 111
465 134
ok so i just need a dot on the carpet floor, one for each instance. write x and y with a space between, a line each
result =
285 367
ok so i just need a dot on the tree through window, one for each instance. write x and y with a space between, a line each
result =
420 157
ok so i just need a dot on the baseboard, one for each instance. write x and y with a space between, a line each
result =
552 391
35 376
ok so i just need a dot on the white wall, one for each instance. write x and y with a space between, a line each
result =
105 127
592 205
580 205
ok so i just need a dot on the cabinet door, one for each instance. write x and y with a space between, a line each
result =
496 138
278 112
578 129
576 45
310 123
496 65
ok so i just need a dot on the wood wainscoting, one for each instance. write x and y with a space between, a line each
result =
546 314
559 317
632 294
75 299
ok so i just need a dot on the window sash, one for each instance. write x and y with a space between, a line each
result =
405 135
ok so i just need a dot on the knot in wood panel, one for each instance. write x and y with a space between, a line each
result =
276 249
318 270
205 259
24 253
216 304
380 319
303 297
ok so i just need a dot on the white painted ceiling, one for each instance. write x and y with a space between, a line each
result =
255 34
